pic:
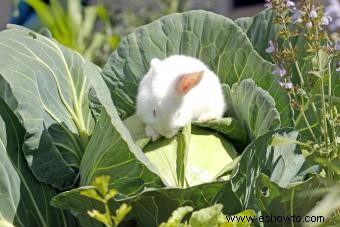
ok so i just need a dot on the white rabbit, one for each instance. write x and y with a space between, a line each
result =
176 91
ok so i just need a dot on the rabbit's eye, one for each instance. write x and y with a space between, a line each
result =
178 114
154 113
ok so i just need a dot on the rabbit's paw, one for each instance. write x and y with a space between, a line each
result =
150 132
209 116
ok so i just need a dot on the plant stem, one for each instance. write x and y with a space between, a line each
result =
324 122
292 206
324 117
302 113
333 118
323 103
108 214
302 82
330 104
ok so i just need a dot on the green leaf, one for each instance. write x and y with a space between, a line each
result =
212 38
102 184
94 104
73 199
152 206
92 193
253 107
50 89
282 162
230 127
244 23
86 30
74 11
207 217
5 223
183 140
136 129
111 151
79 204
275 200
42 10
242 219
112 193
170 156
99 217
198 169
24 200
121 213
177 217
260 29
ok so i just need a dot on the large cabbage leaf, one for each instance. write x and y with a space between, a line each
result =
275 200
275 154
214 39
112 152
228 126
253 107
260 29
24 200
154 206
171 156
181 161
47 87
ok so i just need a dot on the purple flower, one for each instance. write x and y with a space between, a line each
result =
280 71
290 4
338 66
313 14
286 85
325 20
337 45
334 25
309 24
333 11
333 8
268 5
296 17
271 48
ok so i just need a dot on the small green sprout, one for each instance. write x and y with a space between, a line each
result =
103 194
208 217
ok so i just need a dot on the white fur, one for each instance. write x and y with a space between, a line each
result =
157 91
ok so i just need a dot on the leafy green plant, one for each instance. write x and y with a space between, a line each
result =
307 56
101 192
210 216
74 26
24 200
127 20
56 114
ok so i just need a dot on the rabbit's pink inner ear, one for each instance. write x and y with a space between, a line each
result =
188 81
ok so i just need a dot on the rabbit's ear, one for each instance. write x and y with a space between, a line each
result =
188 81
